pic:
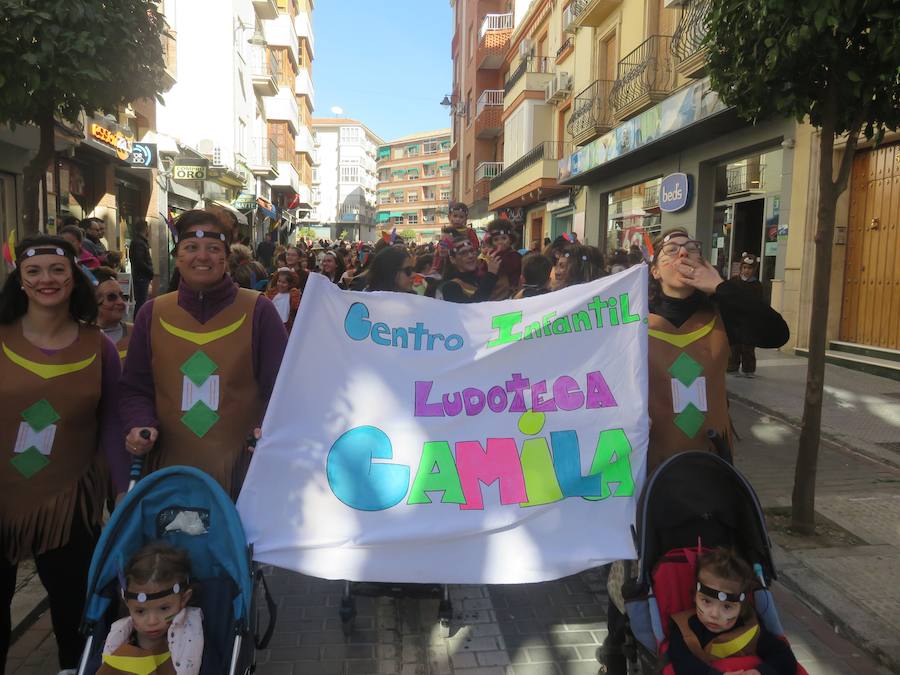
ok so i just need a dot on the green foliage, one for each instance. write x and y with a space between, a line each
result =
344 234
790 57
408 234
306 233
62 56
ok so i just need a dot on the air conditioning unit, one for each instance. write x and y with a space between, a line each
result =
558 88
568 18
454 164
525 47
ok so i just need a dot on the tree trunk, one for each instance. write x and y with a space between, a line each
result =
34 172
804 495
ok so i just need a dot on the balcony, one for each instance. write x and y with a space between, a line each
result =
266 9
493 39
745 178
483 175
263 159
280 32
288 177
644 77
303 142
283 106
303 86
536 170
687 42
487 114
303 28
261 73
565 48
591 113
593 12
534 71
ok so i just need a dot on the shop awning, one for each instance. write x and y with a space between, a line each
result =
384 153
241 218
383 217
398 172
412 147
414 170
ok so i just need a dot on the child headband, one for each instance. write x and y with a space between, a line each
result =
144 597
501 230
201 234
41 250
721 596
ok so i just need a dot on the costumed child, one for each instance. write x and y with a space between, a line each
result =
536 270
458 215
743 356
503 242
722 632
284 292
161 635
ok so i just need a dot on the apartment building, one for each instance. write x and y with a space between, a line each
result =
414 184
345 179
242 109
610 128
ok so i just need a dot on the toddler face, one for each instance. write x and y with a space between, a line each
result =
152 618
501 242
717 615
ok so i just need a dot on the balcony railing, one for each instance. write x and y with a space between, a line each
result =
489 97
644 77
564 46
495 22
593 12
591 113
263 154
548 150
530 64
746 178
687 41
651 197
488 170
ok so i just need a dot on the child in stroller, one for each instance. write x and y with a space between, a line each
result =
722 632
161 634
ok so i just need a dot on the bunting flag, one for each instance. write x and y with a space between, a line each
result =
169 220
647 247
9 248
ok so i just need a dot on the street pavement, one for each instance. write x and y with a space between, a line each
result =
840 605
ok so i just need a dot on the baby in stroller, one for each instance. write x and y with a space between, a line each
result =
161 634
722 632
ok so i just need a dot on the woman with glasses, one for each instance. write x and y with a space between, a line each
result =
461 281
693 313
58 376
111 309
391 270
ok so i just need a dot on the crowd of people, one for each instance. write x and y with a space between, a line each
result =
189 381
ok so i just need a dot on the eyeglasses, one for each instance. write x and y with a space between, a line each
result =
691 246
408 270
111 297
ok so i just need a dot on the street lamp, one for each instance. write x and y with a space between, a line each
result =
458 109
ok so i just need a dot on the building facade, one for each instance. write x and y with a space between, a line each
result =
610 129
242 109
414 184
345 179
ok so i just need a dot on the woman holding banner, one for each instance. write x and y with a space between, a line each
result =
462 283
693 315
201 363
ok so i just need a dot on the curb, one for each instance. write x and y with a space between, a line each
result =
29 620
881 457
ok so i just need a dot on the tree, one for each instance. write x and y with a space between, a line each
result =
345 234
835 64
408 234
59 57
306 233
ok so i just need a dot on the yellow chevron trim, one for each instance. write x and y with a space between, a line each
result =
202 338
682 341
139 665
722 650
123 353
47 370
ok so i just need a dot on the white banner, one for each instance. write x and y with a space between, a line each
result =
414 440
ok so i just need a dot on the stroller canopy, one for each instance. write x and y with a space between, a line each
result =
185 507
699 495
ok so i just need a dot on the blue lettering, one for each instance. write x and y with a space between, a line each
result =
356 480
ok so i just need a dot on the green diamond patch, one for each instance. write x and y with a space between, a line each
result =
198 368
200 418
685 369
40 415
690 420
29 462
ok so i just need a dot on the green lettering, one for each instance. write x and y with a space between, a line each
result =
540 477
581 320
625 310
612 461
504 323
533 330
437 472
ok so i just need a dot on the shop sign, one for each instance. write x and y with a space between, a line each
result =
185 171
683 108
114 139
674 192
143 155
244 201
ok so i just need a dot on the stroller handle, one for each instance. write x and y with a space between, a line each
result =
137 463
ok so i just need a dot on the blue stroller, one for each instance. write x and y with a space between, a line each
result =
188 509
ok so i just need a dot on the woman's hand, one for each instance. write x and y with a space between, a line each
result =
140 440
493 263
699 274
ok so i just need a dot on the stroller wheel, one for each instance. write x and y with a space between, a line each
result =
612 661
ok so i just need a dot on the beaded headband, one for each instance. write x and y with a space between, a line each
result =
201 234
461 247
501 230
721 596
42 250
145 597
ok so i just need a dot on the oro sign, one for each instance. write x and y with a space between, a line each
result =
674 192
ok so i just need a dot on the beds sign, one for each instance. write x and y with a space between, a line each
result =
674 192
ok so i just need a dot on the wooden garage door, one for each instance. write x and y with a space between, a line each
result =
870 313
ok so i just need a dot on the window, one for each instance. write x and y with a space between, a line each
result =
350 134
412 151
412 197
430 169
349 174
432 147
397 220
445 195
412 174
315 174
242 138
397 197
469 108
428 193
412 219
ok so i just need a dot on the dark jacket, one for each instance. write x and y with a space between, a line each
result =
141 261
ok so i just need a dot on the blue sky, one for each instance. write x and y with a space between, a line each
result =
385 62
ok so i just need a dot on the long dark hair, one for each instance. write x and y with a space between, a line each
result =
14 302
384 267
654 288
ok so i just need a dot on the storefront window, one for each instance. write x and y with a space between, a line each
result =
634 216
